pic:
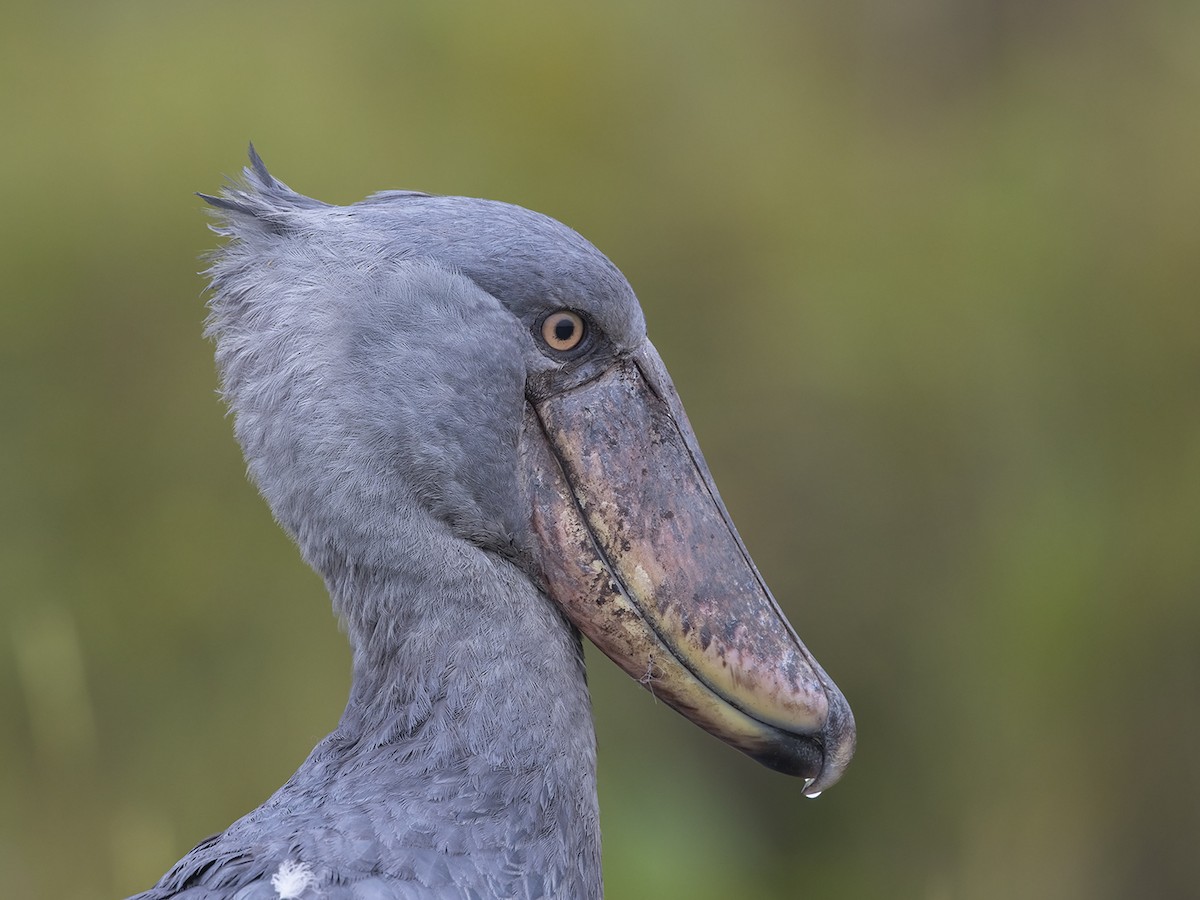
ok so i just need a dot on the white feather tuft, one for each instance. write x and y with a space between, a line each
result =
292 879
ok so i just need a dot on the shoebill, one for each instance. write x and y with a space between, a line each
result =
452 407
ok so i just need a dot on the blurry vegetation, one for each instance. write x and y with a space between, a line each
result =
926 275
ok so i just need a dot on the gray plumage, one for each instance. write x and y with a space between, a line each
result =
391 388
375 358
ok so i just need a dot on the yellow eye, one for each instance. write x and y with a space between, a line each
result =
563 330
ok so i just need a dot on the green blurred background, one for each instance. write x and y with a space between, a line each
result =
926 275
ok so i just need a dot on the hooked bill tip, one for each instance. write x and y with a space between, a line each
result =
804 790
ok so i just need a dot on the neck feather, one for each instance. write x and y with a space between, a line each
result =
469 716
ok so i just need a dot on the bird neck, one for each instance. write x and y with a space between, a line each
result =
469 711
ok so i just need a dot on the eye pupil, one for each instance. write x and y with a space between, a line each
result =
563 330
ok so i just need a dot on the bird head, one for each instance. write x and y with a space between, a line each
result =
414 363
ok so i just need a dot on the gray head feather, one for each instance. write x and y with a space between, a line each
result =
375 356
